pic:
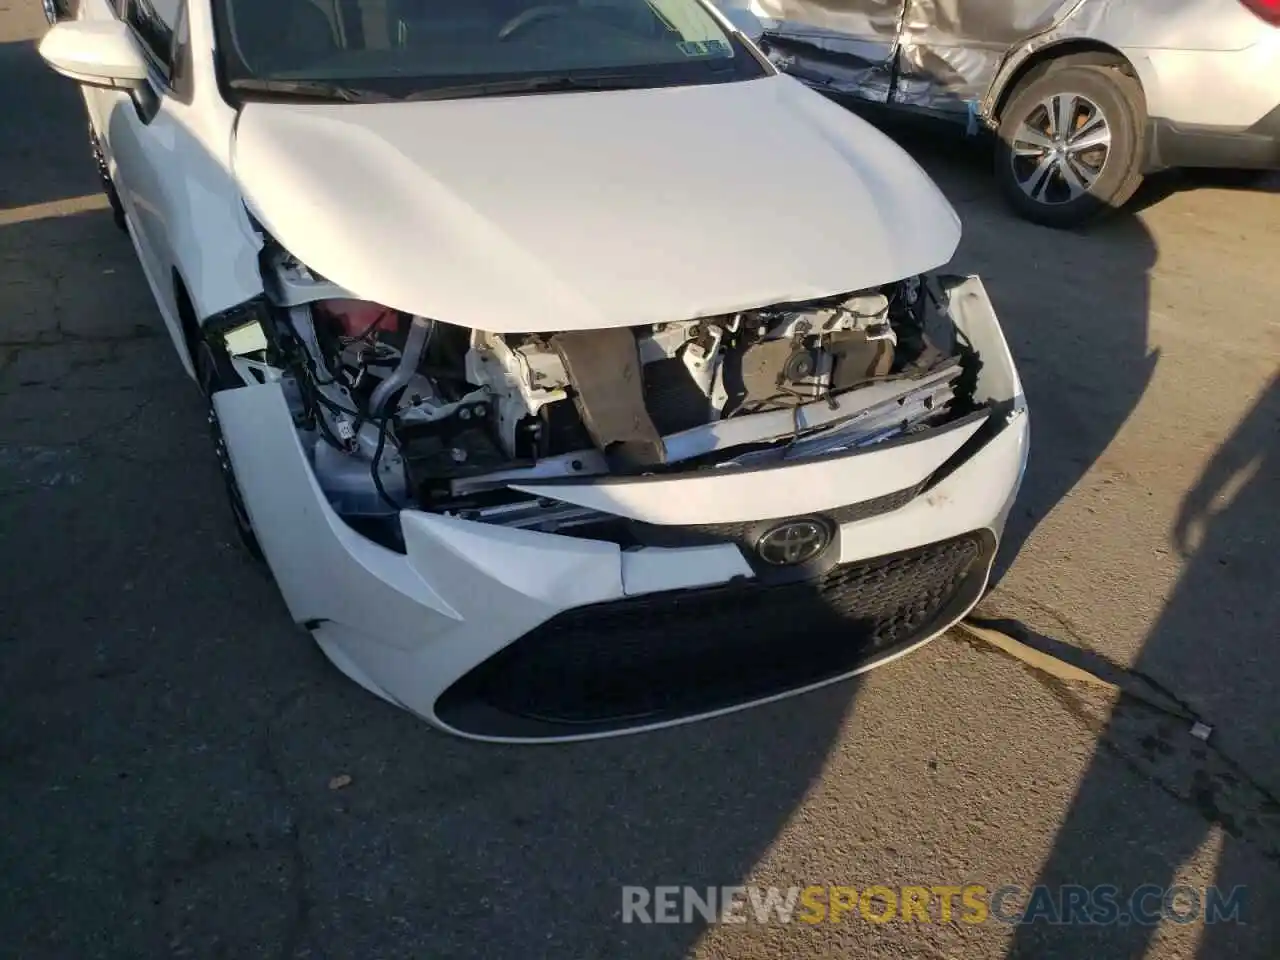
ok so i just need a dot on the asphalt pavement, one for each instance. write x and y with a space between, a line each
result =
182 774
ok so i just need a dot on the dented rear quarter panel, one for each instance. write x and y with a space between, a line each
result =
951 50
958 56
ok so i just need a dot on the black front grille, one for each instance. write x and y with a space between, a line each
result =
663 656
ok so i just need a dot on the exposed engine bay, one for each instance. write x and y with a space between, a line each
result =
401 411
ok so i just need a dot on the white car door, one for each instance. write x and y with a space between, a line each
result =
138 134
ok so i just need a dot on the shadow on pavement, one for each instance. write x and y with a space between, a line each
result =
1217 636
1160 186
45 138
1075 310
1074 306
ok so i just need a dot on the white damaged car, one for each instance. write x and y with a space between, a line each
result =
574 371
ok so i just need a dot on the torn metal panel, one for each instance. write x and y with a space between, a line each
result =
950 51
843 45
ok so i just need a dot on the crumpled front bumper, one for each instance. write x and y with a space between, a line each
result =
412 627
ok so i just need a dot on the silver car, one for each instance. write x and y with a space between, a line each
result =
1086 96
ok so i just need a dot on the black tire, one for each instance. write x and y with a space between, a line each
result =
108 187
214 373
1066 186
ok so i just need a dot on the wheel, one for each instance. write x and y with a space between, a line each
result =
1070 144
108 187
214 373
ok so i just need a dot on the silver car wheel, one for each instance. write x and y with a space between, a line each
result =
1060 148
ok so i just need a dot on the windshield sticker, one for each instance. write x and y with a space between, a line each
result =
704 48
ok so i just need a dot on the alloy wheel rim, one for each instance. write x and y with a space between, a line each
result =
1060 148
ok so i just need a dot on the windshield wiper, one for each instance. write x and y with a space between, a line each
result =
555 83
308 90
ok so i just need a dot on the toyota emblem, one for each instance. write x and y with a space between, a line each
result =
793 543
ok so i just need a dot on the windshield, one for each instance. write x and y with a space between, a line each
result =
405 47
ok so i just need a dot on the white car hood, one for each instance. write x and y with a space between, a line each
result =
588 210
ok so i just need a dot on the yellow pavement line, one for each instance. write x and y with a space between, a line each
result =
1033 657
1056 667
54 208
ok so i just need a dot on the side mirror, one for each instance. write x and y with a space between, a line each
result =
743 18
101 53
